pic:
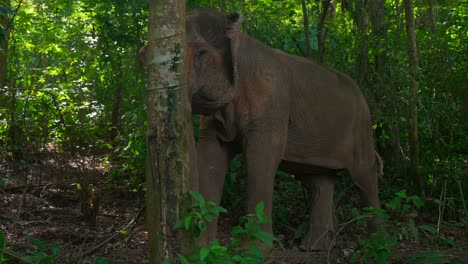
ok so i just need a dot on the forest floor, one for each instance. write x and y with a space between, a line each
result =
42 201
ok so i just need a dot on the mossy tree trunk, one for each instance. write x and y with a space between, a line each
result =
170 136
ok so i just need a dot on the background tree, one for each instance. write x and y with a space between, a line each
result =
416 178
5 6
170 136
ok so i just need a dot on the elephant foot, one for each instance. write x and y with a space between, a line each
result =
312 242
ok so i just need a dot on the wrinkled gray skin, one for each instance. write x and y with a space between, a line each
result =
279 111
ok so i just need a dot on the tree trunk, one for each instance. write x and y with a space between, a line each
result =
321 30
416 178
308 48
115 116
4 47
363 58
170 136
432 23
9 101
377 17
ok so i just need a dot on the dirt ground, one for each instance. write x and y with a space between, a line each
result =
42 200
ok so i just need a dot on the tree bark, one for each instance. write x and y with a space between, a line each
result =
9 101
432 23
170 137
4 47
115 115
363 58
321 30
377 17
308 48
415 177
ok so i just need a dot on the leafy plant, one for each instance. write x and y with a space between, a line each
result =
246 239
2 247
4 180
432 257
43 254
195 220
379 246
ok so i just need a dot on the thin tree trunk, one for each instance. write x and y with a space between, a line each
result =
363 58
115 116
4 47
8 102
308 48
416 176
377 17
170 136
432 23
321 30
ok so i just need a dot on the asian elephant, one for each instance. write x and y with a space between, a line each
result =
279 111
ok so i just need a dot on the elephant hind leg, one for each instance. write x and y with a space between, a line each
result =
320 228
366 179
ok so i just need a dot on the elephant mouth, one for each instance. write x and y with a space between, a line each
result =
204 105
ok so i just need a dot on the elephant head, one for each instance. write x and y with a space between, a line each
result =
211 58
212 43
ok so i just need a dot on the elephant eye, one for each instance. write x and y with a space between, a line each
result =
201 52
198 56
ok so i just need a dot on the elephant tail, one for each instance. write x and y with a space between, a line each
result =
380 165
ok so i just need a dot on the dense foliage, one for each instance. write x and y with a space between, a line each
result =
74 85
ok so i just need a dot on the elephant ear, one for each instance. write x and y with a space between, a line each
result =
233 29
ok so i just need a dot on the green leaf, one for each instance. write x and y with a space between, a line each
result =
100 261
196 232
417 201
208 217
429 229
38 243
182 259
204 252
222 209
4 180
180 224
197 196
237 230
256 252
265 237
401 194
202 226
188 222
429 257
55 249
259 209
377 211
2 245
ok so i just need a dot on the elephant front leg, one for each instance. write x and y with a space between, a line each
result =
320 229
262 155
213 157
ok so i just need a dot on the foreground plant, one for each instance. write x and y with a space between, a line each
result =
246 242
